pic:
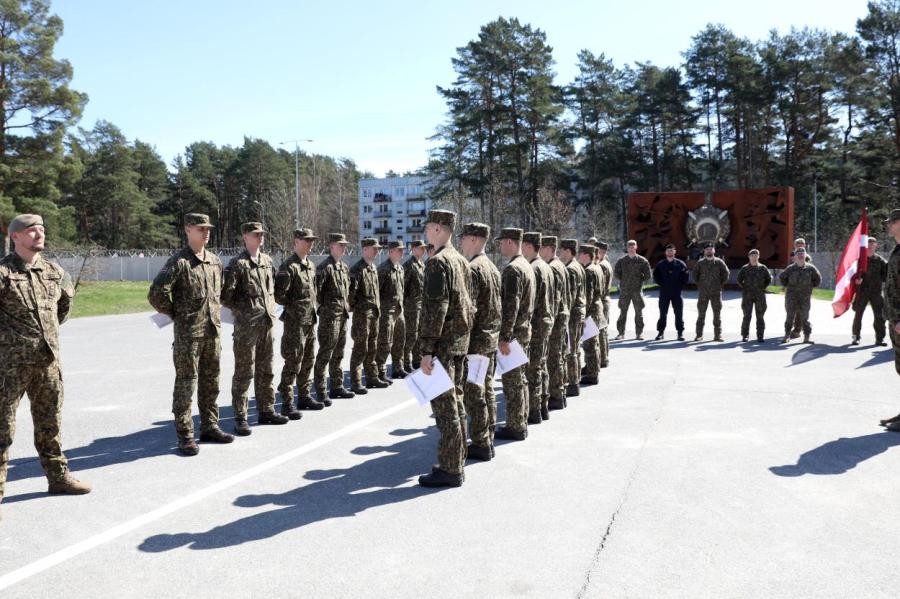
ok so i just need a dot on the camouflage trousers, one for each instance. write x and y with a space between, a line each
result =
797 309
196 367
411 353
390 342
573 357
450 416
604 335
592 355
254 348
332 334
895 341
43 384
364 332
536 369
515 390
298 349
481 406
633 297
557 354
859 307
750 303
703 302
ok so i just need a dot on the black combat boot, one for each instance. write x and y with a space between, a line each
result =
271 418
376 383
306 402
480 453
572 391
215 435
241 428
545 412
340 393
556 403
510 435
187 446
323 396
359 389
441 478
589 380
534 416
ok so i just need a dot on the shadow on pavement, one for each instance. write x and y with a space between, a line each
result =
878 357
334 493
840 455
816 351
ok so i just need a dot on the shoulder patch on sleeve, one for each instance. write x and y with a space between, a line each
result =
435 281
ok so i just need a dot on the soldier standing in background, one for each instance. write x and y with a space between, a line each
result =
799 279
594 284
413 284
480 402
892 302
603 262
188 290
295 289
542 317
869 292
577 310
711 275
249 292
332 290
517 299
632 270
557 352
390 292
365 304
753 279
798 324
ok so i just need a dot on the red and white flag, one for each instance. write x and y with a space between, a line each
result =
854 262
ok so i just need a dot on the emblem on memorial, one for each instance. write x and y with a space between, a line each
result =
706 224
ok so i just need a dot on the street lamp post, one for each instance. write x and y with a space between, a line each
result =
296 143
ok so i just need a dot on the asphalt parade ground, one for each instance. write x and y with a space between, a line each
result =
695 469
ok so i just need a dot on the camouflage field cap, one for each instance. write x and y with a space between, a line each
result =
396 244
800 250
369 242
305 234
893 215
593 240
569 244
477 230
872 240
25 221
532 237
442 217
602 245
588 249
195 219
709 244
416 243
549 241
338 238
753 252
252 227
510 233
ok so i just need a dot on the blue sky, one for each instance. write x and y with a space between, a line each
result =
357 77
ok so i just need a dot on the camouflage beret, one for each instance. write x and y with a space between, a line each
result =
477 230
588 249
252 227
416 243
194 219
532 237
395 244
510 233
602 245
305 234
569 244
25 221
337 238
369 242
442 217
753 252
549 241
892 216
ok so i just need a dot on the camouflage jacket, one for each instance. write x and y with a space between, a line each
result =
576 288
799 281
754 279
189 290
892 287
517 290
632 272
608 274
447 309
413 284
544 295
873 278
594 278
486 297
295 289
34 301
249 290
364 296
710 275
390 287
332 288
561 281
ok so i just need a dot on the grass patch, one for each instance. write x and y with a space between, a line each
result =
101 298
822 294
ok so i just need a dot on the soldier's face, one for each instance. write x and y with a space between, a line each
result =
197 235
631 248
254 241
709 252
337 250
396 255
302 247
873 247
585 259
894 229
800 258
547 253
31 239
433 233
601 254
418 252
754 259
670 253
370 252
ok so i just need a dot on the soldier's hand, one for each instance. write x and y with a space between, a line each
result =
426 365
857 280
504 348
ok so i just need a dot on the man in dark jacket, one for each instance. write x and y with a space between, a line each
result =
671 275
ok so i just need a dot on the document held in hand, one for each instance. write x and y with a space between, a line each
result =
425 387
161 320
591 329
512 361
478 367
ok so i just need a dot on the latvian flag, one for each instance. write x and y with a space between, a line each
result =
854 262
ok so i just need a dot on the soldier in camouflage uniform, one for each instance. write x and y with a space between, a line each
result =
390 292
542 317
295 289
798 324
710 275
249 292
517 291
577 309
799 279
413 284
595 283
632 270
332 289
603 262
365 303
35 299
447 316
869 292
753 279
188 290
480 402
892 302
557 351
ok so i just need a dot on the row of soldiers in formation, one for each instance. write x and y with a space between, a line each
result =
444 308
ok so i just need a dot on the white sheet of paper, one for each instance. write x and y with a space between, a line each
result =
226 316
591 329
478 367
161 320
425 387
512 361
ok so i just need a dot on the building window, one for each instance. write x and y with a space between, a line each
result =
399 221
367 224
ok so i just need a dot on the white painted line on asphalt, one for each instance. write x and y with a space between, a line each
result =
63 555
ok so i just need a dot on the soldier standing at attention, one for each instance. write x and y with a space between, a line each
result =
249 292
295 289
603 262
480 403
542 317
447 315
869 292
632 270
798 324
188 290
517 291
799 279
753 279
557 352
671 274
365 304
332 289
35 299
413 284
390 291
892 302
594 284
577 310
711 275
